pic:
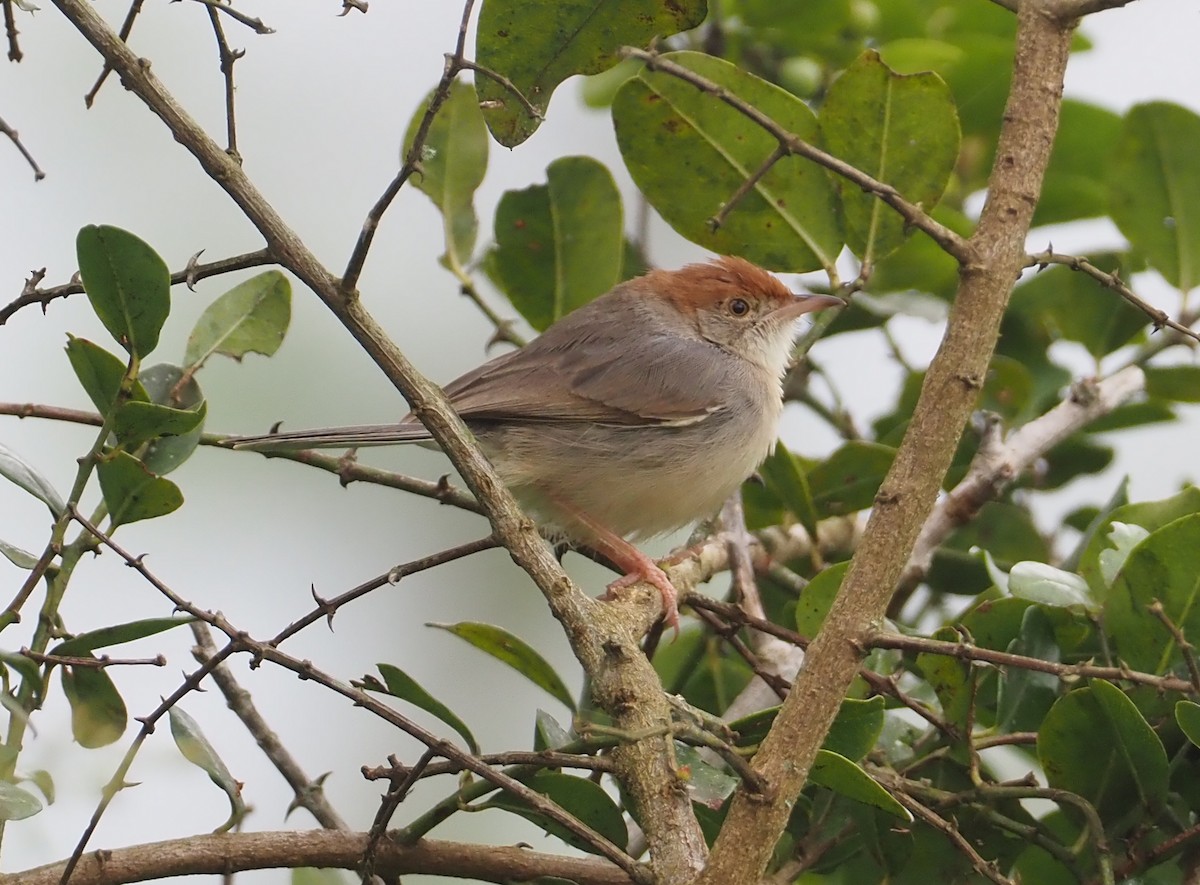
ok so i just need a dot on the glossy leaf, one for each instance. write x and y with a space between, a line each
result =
252 317
138 422
17 470
98 715
167 385
581 797
548 734
817 598
197 750
127 283
101 374
1094 742
516 653
1161 567
400 685
1150 515
1025 696
839 774
1187 716
899 129
847 480
537 46
785 478
689 153
453 163
706 784
17 804
1123 537
561 244
133 493
1154 188
1044 584
22 559
86 643
1076 184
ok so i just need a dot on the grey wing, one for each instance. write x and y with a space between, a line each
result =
669 382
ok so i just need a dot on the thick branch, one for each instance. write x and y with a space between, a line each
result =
234 852
990 265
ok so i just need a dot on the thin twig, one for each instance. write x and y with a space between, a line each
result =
912 213
5 129
1186 649
744 188
227 59
1160 318
255 24
99 663
193 272
135 9
10 30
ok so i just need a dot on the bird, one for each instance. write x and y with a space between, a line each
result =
633 416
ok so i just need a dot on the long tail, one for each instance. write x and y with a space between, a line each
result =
332 437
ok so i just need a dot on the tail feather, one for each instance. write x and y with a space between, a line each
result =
332 437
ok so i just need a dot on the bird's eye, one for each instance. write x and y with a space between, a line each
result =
739 307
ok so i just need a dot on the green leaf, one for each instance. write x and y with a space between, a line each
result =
22 559
949 678
844 777
579 796
197 750
44 781
1161 567
1094 742
1154 189
101 374
899 129
166 384
1071 305
453 162
537 46
17 804
706 784
19 471
689 153
1076 184
127 283
400 685
1150 515
548 734
847 480
817 598
561 244
85 643
252 317
1046 585
313 876
856 728
920 264
784 477
1024 696
137 422
516 653
1187 715
1179 384
132 492
98 715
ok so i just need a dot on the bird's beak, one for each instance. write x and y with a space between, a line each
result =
803 303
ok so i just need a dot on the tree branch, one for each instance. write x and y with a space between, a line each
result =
990 261
229 853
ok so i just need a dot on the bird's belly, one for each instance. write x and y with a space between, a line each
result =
637 481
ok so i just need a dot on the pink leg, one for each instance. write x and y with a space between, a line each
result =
636 565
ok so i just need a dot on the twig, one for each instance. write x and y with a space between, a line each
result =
99 663
227 59
402 782
255 24
745 187
912 214
31 294
135 9
5 129
1185 648
966 652
465 64
10 30
950 831
1113 281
